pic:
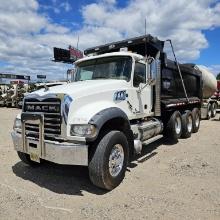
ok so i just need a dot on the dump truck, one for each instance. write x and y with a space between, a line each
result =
125 94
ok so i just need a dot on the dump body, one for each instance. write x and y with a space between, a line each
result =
171 83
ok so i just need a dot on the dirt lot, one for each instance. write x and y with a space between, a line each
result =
180 181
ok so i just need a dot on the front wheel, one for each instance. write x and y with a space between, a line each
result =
109 162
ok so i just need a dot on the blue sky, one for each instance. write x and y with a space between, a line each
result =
211 55
29 29
73 19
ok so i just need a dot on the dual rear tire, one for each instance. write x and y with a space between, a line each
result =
182 125
211 110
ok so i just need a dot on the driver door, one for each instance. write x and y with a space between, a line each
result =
143 97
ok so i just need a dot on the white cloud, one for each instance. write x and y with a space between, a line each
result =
66 6
57 6
27 37
214 69
182 21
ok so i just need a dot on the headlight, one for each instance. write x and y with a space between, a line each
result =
83 130
17 124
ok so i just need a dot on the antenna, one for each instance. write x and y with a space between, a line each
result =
145 44
145 25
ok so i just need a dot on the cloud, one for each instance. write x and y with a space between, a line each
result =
57 6
66 6
27 35
215 69
182 22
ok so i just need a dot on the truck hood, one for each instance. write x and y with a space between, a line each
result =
83 88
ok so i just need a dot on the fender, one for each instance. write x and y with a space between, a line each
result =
105 115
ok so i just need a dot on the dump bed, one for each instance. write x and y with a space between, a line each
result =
171 83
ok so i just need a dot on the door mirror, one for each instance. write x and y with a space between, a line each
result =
153 70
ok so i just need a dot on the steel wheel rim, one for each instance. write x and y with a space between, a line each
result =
178 125
116 160
209 112
214 110
197 121
189 125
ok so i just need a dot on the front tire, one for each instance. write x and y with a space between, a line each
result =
109 162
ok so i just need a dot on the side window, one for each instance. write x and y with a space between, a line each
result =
139 74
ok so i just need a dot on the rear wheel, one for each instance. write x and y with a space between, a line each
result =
173 129
109 162
196 120
187 124
26 159
213 109
209 111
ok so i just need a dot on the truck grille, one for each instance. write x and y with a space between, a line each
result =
51 109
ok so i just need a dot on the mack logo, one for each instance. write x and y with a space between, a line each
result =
43 108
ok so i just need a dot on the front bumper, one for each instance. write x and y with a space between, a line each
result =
60 153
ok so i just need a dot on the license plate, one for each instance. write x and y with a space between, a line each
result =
35 157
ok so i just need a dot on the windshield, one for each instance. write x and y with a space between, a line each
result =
105 68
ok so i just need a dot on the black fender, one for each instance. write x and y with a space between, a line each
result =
107 114
101 118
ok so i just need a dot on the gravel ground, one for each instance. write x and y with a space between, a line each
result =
180 181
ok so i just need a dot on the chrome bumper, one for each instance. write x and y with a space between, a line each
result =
60 153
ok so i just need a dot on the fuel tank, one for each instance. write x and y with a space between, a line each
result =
209 82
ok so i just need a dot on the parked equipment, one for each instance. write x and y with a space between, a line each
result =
210 104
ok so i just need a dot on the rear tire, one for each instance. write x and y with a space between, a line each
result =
187 124
196 120
209 111
173 129
26 159
213 110
109 161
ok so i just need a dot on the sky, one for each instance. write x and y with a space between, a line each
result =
29 29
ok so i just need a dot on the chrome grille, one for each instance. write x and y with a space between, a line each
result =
51 109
